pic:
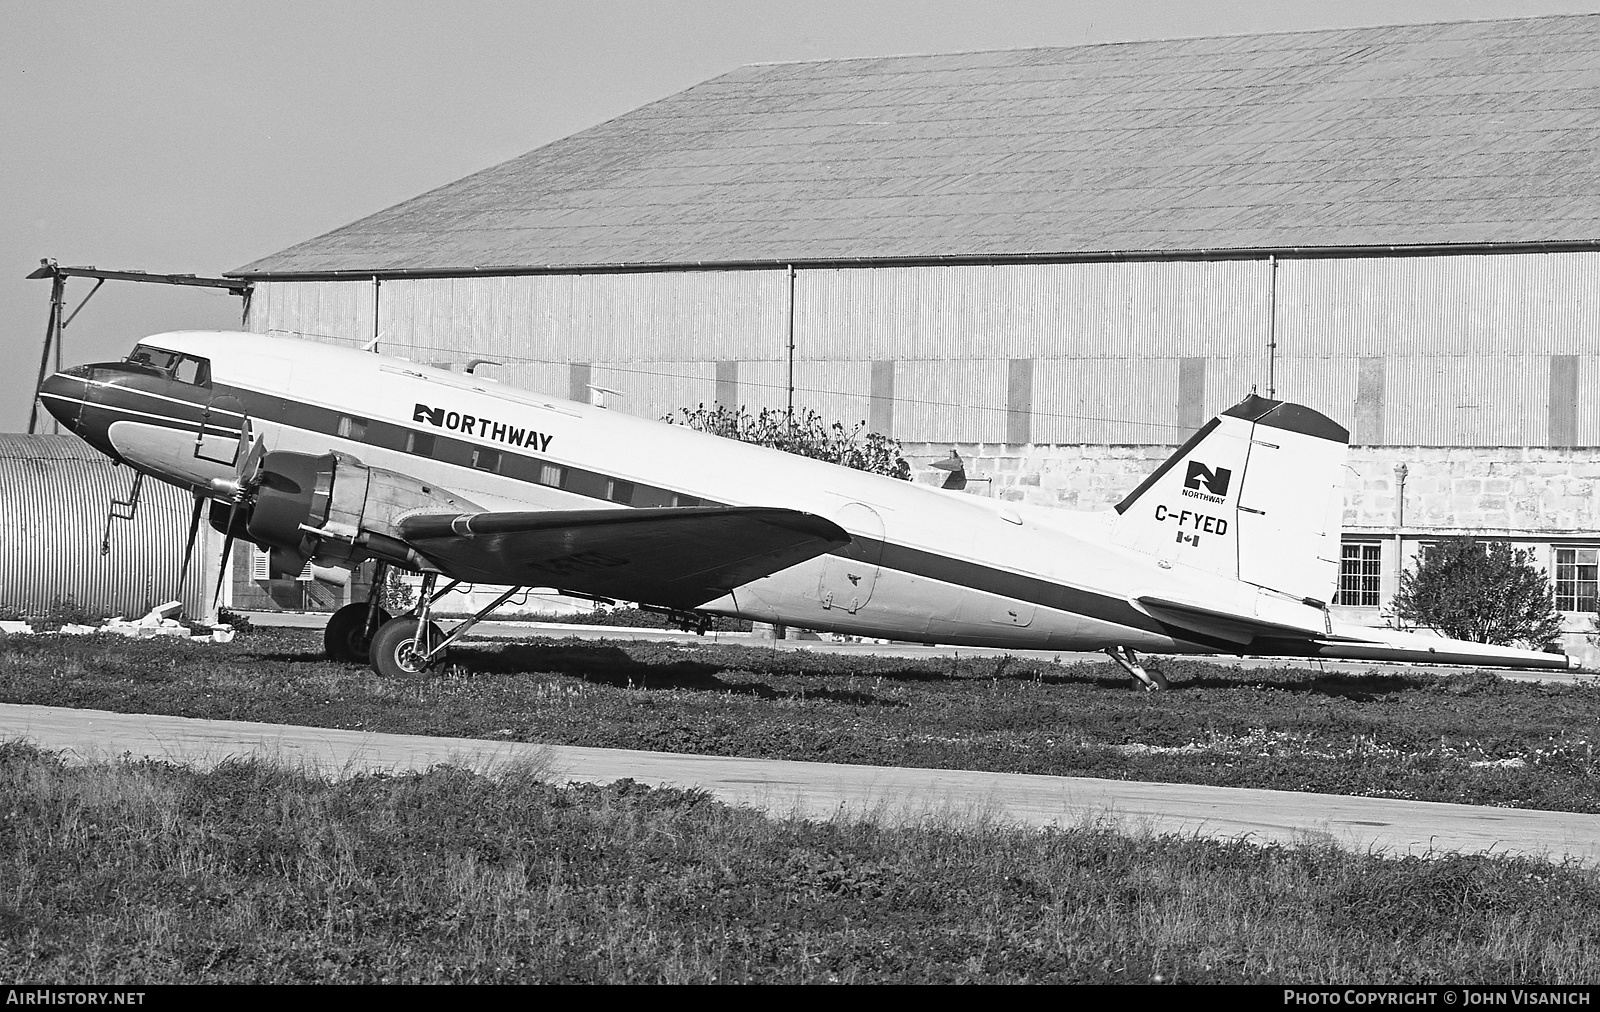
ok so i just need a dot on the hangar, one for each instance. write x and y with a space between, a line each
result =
1058 262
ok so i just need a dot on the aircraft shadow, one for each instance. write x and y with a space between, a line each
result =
1358 688
609 665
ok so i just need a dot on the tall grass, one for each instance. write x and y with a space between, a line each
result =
139 872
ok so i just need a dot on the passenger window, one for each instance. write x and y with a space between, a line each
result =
619 491
352 428
419 443
486 460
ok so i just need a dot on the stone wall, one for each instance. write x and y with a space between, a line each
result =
1499 489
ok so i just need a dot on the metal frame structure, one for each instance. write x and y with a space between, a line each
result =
56 325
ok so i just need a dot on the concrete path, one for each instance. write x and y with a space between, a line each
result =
822 790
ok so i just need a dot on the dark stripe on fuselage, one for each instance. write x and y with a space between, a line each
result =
433 444
529 468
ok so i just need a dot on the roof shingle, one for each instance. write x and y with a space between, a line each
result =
1462 133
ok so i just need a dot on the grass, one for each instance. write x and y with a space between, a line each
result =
136 872
1470 737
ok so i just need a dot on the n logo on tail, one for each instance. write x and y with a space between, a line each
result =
1216 482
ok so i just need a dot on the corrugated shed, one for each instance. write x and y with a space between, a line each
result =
54 492
1104 400
1468 400
1473 132
1456 305
1074 310
334 311
665 316
962 401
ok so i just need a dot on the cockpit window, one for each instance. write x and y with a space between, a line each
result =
175 365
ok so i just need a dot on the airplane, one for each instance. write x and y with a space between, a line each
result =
333 456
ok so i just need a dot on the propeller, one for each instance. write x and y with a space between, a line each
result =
188 549
247 473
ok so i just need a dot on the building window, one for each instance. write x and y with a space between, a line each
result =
1577 576
1360 572
260 564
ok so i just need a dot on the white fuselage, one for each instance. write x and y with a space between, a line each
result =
953 568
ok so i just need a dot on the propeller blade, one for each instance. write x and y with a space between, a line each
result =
188 549
251 465
227 546
222 570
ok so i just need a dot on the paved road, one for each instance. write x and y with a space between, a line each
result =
821 790
525 630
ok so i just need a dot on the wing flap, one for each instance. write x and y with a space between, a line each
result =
679 557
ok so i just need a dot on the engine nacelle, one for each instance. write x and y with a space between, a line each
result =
335 511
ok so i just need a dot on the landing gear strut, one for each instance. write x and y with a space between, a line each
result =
1129 662
410 644
348 636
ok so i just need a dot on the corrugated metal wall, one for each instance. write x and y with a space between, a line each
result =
54 491
1458 348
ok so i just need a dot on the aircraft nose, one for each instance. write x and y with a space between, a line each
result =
64 393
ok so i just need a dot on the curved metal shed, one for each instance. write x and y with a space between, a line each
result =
54 495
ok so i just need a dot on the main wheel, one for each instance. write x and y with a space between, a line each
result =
345 638
393 652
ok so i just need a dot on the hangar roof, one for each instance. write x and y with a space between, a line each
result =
1471 133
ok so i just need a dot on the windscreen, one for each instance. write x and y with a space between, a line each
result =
175 365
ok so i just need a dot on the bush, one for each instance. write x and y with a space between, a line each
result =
805 434
396 595
1483 591
238 621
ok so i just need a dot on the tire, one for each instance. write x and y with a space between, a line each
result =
391 654
345 638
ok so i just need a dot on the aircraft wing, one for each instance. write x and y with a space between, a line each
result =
679 557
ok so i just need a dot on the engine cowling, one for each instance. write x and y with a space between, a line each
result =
333 510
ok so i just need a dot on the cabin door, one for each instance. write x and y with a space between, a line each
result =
217 438
848 577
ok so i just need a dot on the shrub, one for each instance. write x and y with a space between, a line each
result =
1483 591
804 433
239 621
396 596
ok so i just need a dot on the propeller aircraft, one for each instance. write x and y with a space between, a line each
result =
334 457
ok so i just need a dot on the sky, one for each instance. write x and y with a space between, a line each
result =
194 137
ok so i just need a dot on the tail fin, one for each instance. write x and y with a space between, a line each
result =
1256 494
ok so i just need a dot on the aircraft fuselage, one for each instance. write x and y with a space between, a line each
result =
926 564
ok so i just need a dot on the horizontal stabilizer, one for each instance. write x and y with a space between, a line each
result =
1222 625
1318 637
1359 643
678 557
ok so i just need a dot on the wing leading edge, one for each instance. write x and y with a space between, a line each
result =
678 557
